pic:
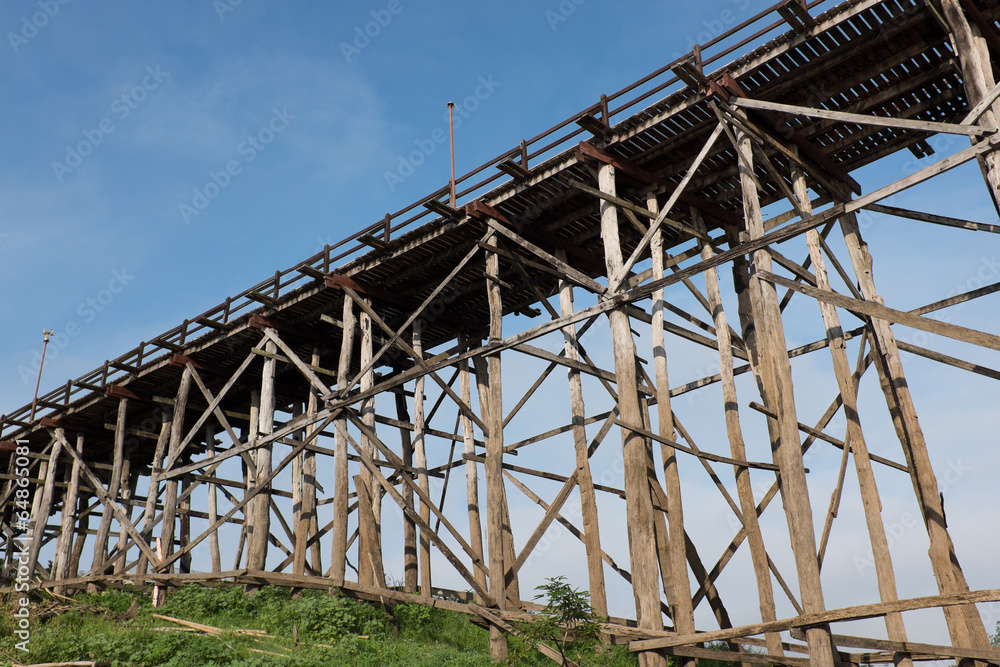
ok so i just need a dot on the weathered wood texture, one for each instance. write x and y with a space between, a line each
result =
330 406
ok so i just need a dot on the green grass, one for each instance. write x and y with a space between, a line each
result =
353 632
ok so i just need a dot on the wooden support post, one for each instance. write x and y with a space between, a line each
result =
965 626
748 507
184 529
306 515
776 379
411 573
338 553
588 497
855 436
170 491
82 528
372 555
471 469
420 463
259 519
978 80
367 575
127 487
638 504
166 422
42 504
680 596
213 504
496 496
64 545
101 541
298 542
309 478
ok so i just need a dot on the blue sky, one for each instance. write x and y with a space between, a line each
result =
297 120
167 95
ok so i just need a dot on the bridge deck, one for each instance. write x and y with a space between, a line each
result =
885 58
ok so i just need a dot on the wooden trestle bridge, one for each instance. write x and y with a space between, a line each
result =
331 383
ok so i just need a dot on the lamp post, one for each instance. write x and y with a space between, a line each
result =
46 333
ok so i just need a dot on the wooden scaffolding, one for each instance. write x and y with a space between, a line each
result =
369 376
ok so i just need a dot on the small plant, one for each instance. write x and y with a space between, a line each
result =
568 622
995 639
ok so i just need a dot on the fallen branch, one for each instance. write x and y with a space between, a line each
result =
209 629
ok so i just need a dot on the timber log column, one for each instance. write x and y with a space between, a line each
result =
259 529
978 80
775 377
638 503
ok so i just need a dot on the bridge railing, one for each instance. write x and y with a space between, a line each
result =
733 43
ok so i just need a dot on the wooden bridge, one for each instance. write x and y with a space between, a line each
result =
343 386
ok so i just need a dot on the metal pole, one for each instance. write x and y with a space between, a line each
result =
34 401
451 130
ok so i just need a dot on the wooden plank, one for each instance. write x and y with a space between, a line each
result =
213 408
393 461
471 469
830 616
989 655
368 525
338 554
889 315
496 497
254 491
213 504
661 215
933 218
170 491
426 528
153 492
118 453
423 367
585 481
858 446
964 624
776 381
416 312
366 574
411 573
751 525
420 463
982 106
64 544
577 276
259 519
951 361
107 500
864 119
674 572
639 509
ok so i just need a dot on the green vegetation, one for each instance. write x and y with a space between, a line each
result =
332 630
568 624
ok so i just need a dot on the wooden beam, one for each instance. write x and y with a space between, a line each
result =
863 119
889 315
809 620
639 509
775 379
737 448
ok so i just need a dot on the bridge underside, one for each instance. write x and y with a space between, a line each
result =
310 431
